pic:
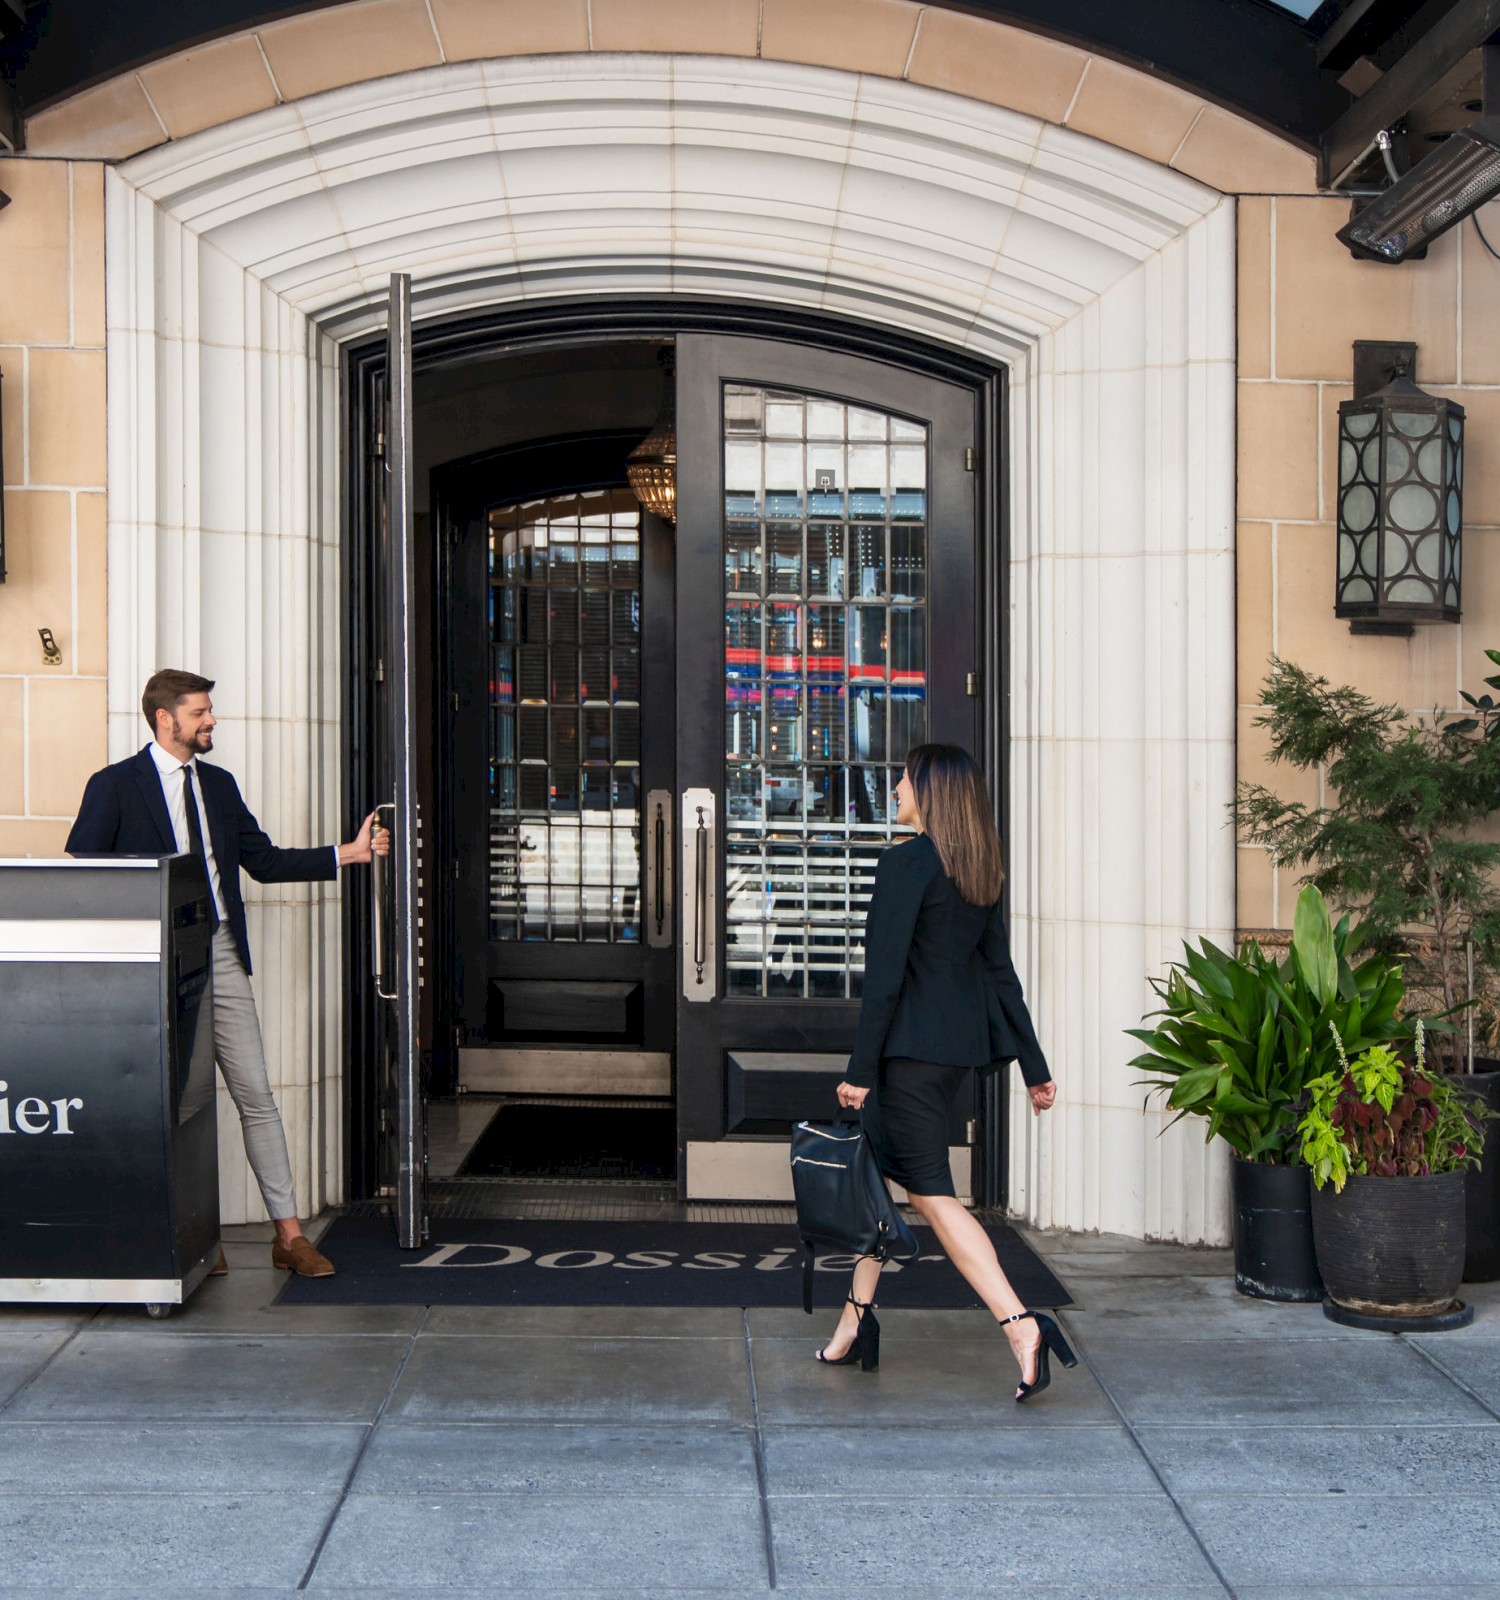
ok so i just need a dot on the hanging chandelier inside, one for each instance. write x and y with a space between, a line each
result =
652 466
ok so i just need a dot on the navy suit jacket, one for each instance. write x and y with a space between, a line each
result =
939 985
124 813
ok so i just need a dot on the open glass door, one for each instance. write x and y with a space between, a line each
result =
827 621
397 972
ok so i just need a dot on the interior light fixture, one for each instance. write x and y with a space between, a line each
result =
652 466
1440 191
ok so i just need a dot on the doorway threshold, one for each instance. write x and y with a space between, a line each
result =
492 1199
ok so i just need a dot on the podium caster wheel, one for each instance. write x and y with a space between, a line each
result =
157 1309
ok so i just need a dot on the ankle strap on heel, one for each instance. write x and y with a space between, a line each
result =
860 1305
1020 1316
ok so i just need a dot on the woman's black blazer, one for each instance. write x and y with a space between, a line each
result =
939 985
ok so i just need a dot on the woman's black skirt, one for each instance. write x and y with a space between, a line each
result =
907 1116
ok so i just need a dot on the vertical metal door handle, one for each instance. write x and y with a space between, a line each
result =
700 894
377 917
659 894
700 889
658 850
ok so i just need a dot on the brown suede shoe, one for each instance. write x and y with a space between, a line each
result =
300 1257
220 1268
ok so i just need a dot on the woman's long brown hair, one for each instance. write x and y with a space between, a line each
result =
953 802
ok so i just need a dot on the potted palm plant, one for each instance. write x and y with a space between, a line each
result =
1388 1142
1236 1042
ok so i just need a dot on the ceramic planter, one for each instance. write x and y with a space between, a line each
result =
1273 1236
1392 1247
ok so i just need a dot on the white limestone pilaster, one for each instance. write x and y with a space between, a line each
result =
1123 702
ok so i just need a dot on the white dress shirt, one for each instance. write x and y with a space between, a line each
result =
169 769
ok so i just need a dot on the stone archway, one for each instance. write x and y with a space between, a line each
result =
243 257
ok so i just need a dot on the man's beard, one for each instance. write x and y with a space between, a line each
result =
202 740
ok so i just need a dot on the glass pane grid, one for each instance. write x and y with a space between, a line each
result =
825 658
565 722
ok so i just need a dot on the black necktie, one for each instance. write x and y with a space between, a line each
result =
195 839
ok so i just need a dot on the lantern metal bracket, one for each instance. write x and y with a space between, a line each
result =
1378 361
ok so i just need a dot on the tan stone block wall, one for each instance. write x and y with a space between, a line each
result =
992 61
52 719
1302 302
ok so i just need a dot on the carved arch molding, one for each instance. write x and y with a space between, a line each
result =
243 259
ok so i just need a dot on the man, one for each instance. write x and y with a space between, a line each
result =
165 800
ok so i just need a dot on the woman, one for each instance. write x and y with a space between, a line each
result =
940 999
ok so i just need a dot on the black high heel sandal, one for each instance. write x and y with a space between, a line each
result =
1052 1339
866 1346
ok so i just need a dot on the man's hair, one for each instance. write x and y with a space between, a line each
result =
167 689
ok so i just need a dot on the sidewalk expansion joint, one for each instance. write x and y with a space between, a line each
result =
767 1534
1451 1376
1145 1455
11 1399
364 1445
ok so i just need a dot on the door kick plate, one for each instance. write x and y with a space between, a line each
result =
564 1071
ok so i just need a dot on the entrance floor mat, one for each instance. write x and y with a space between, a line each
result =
548 1263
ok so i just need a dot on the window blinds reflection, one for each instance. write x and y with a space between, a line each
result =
825 660
565 722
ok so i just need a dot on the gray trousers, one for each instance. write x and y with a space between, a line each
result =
242 1060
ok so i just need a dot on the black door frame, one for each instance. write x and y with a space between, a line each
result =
472 337
705 363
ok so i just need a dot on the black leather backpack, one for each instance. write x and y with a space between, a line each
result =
843 1203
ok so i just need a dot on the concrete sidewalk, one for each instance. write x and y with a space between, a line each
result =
1214 1445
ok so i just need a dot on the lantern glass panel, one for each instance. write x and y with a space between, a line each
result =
1348 555
1413 507
1359 508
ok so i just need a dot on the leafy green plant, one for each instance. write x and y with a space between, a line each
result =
1396 842
1240 1037
1379 1116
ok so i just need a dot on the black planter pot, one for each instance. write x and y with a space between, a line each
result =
1482 1185
1273 1238
1392 1247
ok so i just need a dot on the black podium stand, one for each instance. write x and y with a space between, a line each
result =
109 1172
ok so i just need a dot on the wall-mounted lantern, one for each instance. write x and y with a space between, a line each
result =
1400 505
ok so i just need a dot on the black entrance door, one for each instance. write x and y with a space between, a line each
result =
825 562
562 747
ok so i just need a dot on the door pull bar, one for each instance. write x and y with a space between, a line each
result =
378 908
700 895
659 869
700 911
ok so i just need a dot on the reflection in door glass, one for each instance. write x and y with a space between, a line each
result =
565 719
825 668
